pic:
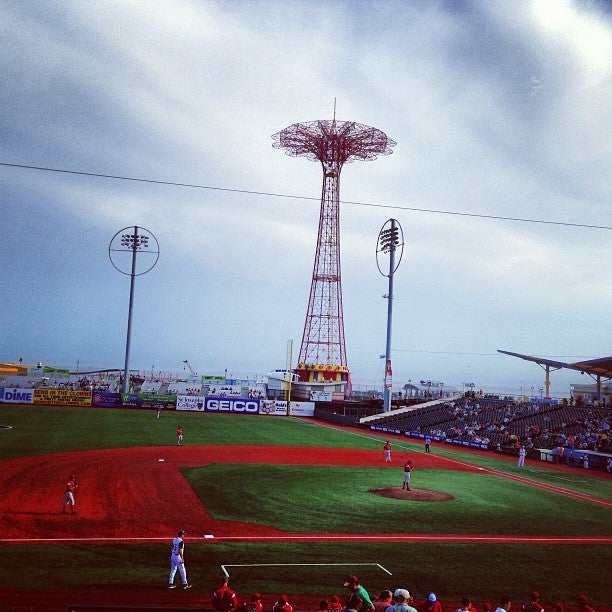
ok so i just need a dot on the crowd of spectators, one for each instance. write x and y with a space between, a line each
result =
359 599
505 423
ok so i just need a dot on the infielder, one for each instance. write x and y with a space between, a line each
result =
387 449
407 473
71 487
177 561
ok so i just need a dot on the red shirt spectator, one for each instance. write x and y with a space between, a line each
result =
431 604
224 599
334 604
255 605
282 605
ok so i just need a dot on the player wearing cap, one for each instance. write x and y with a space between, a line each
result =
387 449
70 490
407 474
177 561
359 599
401 597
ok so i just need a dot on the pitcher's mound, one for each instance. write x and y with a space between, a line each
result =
412 495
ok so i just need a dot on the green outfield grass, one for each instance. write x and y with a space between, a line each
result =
315 499
336 499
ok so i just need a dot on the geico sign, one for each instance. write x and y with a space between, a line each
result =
232 405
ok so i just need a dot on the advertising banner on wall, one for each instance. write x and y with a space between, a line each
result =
190 402
321 396
279 408
148 400
17 396
62 397
303 409
106 399
273 408
231 404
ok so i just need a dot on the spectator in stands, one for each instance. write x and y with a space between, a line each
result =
431 604
583 605
282 604
533 605
254 605
383 602
560 454
224 598
401 597
466 605
334 604
359 599
504 604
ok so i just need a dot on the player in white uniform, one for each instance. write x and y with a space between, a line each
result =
177 561
521 457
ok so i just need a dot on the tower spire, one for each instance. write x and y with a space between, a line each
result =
322 354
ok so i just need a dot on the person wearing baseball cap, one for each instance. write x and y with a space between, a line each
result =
401 597
282 604
177 560
359 599
431 604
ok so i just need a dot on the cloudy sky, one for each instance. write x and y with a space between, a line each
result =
500 180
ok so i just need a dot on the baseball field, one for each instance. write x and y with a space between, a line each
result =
283 505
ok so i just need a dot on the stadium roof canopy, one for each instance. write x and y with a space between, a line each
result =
594 367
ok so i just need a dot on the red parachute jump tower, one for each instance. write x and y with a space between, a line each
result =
323 352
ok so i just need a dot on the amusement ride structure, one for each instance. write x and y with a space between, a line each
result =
322 354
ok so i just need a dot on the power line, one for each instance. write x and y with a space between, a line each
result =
399 350
298 197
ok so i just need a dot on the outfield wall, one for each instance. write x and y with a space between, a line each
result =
191 403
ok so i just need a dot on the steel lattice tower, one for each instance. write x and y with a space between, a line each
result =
323 352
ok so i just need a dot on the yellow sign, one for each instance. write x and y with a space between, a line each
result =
62 397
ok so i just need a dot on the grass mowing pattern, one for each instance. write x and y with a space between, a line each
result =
484 572
336 499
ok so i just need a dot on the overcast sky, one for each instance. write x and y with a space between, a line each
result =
499 109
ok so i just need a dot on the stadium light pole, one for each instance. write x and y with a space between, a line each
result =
130 244
390 244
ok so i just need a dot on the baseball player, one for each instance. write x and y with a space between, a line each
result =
407 473
177 561
71 487
179 435
387 449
